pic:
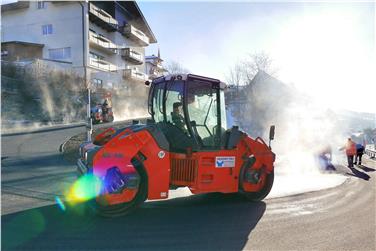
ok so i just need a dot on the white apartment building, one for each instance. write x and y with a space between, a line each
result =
108 38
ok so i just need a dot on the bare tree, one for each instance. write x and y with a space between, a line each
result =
234 78
174 67
244 71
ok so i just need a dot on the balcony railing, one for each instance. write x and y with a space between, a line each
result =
134 74
132 55
102 42
102 18
102 65
135 34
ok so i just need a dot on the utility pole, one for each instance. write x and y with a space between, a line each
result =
89 123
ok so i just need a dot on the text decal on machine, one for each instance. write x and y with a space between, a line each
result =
228 161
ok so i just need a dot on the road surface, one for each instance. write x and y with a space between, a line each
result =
33 172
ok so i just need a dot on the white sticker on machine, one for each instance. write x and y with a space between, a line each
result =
228 161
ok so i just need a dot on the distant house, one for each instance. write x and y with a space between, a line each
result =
153 66
254 107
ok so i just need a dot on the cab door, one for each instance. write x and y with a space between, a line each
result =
217 168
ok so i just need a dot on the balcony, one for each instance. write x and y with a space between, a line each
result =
132 56
102 18
102 42
134 74
135 35
102 65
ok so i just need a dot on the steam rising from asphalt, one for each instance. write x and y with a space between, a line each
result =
41 96
132 103
304 128
124 109
304 131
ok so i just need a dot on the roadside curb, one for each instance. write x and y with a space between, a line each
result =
61 147
47 129
62 127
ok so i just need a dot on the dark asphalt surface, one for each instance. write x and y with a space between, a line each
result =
33 172
32 169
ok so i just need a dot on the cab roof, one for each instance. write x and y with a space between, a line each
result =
188 77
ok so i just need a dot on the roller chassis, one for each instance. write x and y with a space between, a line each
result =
142 162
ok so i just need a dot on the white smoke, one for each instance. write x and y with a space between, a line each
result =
304 128
302 133
132 103
43 96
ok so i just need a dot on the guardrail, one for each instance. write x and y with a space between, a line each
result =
370 151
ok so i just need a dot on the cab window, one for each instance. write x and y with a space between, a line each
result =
174 105
158 102
203 111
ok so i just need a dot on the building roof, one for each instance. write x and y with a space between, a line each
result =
264 80
154 58
132 7
15 6
151 57
22 43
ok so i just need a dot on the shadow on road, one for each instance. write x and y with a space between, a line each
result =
200 222
367 169
43 160
358 174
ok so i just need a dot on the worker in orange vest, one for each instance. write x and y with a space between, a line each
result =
350 149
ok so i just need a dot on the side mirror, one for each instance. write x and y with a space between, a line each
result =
271 132
147 82
271 135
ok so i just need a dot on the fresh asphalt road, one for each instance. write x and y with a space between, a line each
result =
33 173
33 170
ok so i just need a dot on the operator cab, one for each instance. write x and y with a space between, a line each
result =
189 110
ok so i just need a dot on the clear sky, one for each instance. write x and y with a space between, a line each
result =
325 49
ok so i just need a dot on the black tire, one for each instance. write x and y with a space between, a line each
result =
128 207
260 195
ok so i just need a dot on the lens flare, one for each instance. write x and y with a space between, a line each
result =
85 188
60 203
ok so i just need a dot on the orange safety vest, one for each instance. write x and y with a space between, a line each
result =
350 148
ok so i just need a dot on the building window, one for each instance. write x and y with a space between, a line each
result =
4 53
98 83
60 53
41 4
47 29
